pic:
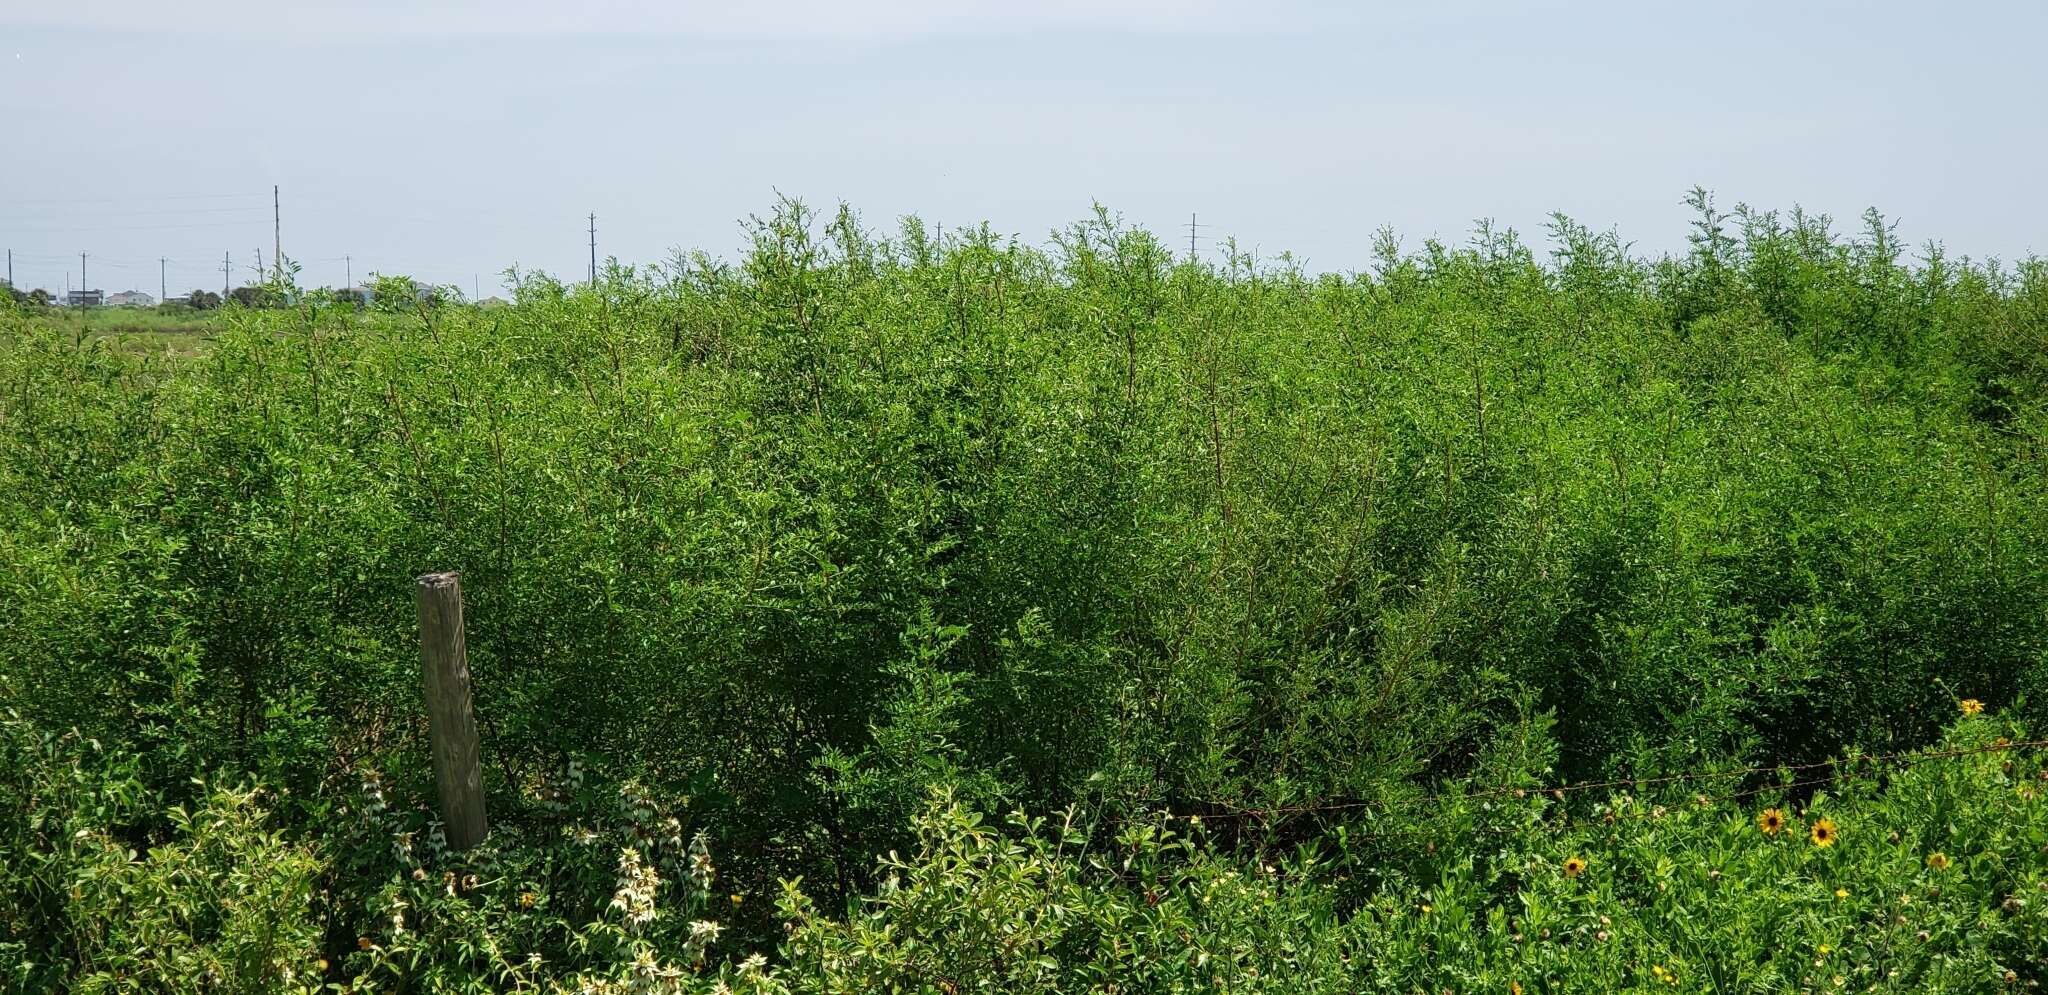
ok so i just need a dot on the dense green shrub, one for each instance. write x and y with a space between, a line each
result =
805 534
590 877
1936 883
1924 874
105 888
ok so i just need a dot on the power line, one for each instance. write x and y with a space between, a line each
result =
197 224
482 220
60 257
182 210
118 200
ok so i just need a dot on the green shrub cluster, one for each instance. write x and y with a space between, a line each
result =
802 535
106 887
1937 883
1925 875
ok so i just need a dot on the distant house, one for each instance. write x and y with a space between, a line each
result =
131 298
85 298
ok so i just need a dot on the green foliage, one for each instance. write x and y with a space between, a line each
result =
806 534
13 298
1036 907
255 296
587 877
104 887
403 295
1935 880
1674 881
1673 894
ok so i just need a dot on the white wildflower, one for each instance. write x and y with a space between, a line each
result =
703 933
701 868
637 885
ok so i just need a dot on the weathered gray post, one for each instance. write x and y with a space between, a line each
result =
458 760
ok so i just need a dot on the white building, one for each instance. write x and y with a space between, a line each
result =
131 298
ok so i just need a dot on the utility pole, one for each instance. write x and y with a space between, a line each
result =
276 235
82 285
349 268
593 250
1191 236
10 267
259 265
163 280
225 269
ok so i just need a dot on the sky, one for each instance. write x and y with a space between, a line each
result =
451 140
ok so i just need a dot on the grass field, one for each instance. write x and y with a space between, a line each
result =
173 330
887 613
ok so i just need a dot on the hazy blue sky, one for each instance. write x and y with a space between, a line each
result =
451 139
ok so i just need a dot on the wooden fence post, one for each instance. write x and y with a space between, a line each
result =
458 760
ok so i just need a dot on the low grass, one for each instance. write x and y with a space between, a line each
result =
174 330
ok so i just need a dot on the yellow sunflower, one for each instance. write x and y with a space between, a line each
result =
1770 820
1823 832
1938 860
1574 866
1971 706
